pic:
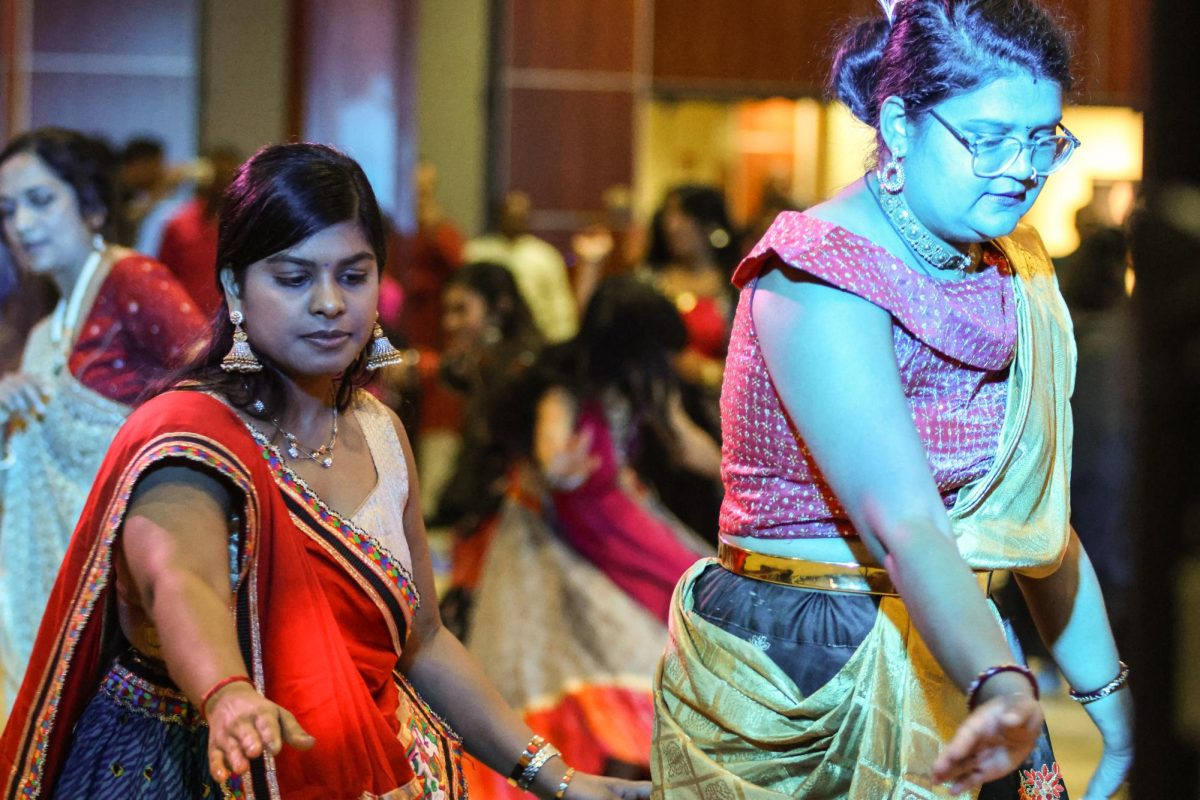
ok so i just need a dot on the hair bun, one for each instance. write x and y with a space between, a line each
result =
855 72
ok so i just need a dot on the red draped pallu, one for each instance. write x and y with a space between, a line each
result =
322 610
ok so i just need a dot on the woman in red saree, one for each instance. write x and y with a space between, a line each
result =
240 613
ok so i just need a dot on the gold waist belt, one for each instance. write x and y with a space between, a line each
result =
819 575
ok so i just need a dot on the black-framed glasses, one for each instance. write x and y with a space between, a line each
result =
993 155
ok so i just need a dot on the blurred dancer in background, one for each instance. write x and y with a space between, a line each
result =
189 241
538 267
122 321
490 340
580 531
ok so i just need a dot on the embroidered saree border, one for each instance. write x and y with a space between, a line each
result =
384 578
97 575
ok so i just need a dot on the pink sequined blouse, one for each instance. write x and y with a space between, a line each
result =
954 341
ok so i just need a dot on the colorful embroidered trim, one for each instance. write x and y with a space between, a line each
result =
1043 784
139 695
363 542
96 580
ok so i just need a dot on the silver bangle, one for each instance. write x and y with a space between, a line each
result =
535 766
1104 691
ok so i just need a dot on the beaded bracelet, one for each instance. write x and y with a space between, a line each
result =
531 750
218 686
535 766
1104 691
566 782
991 672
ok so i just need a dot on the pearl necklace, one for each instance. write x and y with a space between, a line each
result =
323 455
920 239
68 310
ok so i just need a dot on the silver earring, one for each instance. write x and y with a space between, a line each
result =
891 176
240 357
381 353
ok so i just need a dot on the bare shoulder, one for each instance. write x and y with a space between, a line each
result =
854 209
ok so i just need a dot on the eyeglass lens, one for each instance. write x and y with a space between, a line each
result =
1046 155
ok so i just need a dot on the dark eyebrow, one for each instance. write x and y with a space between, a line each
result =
288 258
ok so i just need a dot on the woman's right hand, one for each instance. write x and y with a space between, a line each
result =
242 725
22 394
991 742
596 787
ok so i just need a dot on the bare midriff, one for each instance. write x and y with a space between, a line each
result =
839 550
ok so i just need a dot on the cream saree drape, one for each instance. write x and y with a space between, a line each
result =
47 471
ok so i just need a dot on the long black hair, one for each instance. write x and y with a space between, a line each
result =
497 288
626 343
705 205
281 196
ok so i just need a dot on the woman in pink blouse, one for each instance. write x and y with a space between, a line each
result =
896 428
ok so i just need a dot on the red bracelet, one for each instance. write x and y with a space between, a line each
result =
991 672
218 686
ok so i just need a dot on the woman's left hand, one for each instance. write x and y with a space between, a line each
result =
22 395
990 743
1113 716
585 786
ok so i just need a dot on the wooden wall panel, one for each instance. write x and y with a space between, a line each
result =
13 83
569 146
759 47
1128 52
751 46
566 84
1109 40
591 35
118 68
363 98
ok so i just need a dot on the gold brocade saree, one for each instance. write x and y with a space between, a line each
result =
731 724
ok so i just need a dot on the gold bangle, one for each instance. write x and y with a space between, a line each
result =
566 782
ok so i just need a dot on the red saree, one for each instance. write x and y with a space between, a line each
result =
322 612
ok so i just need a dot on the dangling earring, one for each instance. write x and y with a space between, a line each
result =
891 176
381 353
240 357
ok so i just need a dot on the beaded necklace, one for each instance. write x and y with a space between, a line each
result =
920 240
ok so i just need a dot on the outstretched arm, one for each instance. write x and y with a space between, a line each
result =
175 544
831 356
456 687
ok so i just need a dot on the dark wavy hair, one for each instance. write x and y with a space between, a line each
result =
494 283
281 196
935 49
85 163
627 339
706 206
